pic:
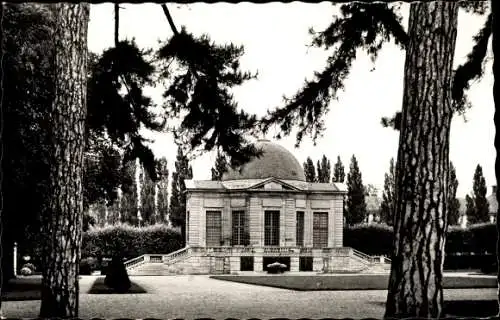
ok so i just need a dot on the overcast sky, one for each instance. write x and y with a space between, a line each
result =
275 37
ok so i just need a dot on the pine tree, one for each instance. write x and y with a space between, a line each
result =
62 225
182 172
482 206
324 170
356 203
388 195
309 170
162 185
220 167
338 171
453 203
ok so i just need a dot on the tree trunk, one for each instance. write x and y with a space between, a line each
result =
415 284
63 224
496 67
117 22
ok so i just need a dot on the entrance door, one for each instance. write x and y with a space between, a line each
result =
214 228
320 229
271 228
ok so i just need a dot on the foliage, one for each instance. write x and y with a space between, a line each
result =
182 172
27 42
129 241
30 266
338 171
481 204
121 116
470 208
87 265
129 196
116 275
356 204
201 87
453 202
219 167
309 170
388 195
361 26
162 189
376 239
148 200
324 170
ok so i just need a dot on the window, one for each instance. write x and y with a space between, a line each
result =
320 229
271 228
240 236
213 228
299 233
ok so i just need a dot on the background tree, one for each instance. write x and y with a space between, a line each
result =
162 186
324 170
220 166
338 171
482 207
177 210
453 202
356 203
470 208
148 200
129 196
309 170
388 195
62 224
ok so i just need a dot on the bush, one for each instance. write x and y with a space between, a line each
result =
25 271
30 266
116 275
372 239
130 242
88 265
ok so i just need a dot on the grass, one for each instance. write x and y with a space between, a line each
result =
100 288
341 282
22 288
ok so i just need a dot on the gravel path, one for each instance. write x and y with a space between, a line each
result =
191 297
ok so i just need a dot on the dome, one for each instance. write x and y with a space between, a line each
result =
275 161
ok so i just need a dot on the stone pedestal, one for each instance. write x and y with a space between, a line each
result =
257 264
294 264
318 264
234 264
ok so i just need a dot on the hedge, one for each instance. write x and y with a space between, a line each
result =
376 239
129 241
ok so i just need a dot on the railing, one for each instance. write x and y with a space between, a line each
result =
175 255
364 256
135 261
279 250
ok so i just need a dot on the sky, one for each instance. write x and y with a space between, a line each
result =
275 37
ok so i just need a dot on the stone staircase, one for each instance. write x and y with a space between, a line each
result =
201 261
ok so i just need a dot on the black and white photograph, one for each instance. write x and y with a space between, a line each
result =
250 160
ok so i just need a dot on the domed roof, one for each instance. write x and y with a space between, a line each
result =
275 161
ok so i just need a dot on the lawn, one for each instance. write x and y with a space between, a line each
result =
349 282
29 288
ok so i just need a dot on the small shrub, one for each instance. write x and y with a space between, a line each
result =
276 267
25 271
30 266
88 265
116 275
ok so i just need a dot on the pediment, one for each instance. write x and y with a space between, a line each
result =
273 184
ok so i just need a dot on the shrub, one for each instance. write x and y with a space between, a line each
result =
129 241
372 239
116 275
30 266
87 265
25 271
